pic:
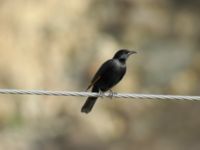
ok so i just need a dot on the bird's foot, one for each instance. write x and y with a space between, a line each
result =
111 94
101 94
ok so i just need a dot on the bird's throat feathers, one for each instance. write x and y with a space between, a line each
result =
122 61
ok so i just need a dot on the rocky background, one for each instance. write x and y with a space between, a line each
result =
59 44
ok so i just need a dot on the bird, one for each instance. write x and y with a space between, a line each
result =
108 75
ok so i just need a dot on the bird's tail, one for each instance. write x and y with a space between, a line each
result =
88 105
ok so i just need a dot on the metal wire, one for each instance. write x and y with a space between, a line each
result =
111 95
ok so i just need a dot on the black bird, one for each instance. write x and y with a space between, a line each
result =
108 75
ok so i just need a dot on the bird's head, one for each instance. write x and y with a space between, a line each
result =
123 54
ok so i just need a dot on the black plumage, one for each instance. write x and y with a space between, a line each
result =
108 75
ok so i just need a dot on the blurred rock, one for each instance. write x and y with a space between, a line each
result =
58 45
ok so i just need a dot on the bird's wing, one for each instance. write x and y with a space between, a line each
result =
93 82
104 68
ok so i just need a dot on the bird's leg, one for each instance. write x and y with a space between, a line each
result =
101 94
111 93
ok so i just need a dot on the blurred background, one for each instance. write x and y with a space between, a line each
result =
59 44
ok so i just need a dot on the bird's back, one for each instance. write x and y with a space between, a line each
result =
110 73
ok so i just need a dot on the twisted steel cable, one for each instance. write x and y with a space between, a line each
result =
111 95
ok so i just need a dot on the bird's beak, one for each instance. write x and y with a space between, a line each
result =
132 52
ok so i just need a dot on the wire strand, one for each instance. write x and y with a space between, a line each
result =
111 95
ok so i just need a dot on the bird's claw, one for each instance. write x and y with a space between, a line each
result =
111 94
101 94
